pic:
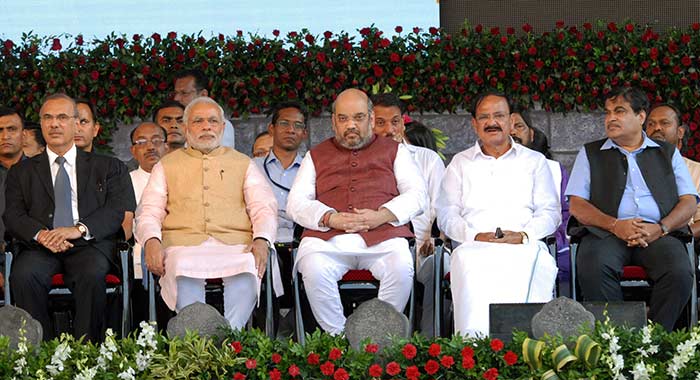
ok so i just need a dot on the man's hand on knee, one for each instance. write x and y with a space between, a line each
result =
260 250
155 260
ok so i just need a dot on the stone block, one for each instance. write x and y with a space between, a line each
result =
200 317
561 317
570 131
377 320
12 319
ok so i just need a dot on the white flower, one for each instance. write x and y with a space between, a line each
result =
639 372
128 374
146 340
684 352
87 374
62 353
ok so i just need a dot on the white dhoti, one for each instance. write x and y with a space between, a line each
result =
486 273
187 268
323 263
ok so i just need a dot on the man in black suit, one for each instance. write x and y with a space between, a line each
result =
65 206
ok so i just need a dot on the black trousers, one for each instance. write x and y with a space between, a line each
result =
84 269
599 265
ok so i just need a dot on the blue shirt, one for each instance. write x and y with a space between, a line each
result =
280 180
637 201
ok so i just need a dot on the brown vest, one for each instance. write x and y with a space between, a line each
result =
363 178
205 197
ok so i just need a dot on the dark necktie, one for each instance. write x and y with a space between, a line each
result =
63 215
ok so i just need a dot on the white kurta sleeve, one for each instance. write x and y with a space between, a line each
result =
546 216
449 204
151 209
260 204
412 198
302 205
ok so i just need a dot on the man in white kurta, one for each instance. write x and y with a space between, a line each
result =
389 122
497 184
330 200
219 222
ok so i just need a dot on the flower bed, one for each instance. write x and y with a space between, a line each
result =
605 353
565 69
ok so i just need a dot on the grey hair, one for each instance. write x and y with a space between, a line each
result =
206 100
61 95
370 106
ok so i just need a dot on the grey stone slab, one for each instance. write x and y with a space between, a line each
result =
200 317
540 120
320 129
457 127
12 319
377 320
561 317
570 131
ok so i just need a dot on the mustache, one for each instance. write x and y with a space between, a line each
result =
493 128
351 130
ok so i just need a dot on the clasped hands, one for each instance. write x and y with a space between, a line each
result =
636 232
57 240
509 237
360 220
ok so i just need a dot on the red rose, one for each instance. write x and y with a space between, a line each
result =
398 29
398 72
510 357
378 71
155 37
313 359
327 368
696 26
629 28
309 38
612 27
527 28
416 30
385 43
293 371
56 45
686 61
393 368
172 35
491 374
559 24
433 30
276 33
431 367
251 363
276 358
341 374
375 370
510 30
238 376
532 50
78 40
434 350
468 361
335 354
371 347
275 374
447 361
412 372
94 75
409 351
269 66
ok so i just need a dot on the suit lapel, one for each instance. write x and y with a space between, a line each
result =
43 169
82 170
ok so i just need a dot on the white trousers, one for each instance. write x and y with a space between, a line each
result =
323 263
240 296
486 273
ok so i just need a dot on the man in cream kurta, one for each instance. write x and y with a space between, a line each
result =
207 212
353 194
497 184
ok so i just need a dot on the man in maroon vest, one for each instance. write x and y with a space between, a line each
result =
354 194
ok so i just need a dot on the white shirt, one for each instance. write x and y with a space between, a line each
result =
70 157
139 179
229 137
432 170
304 209
514 192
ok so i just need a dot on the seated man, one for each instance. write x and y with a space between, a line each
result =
497 199
353 194
169 116
88 126
219 229
262 144
388 122
65 206
34 142
629 192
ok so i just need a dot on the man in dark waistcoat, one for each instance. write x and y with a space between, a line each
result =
354 194
630 193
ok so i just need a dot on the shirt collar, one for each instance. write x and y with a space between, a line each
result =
70 155
646 143
514 149
270 158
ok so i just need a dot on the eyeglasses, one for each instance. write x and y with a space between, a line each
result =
499 117
182 93
199 121
62 118
357 118
298 126
156 141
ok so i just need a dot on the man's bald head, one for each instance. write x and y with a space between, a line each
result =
353 119
148 144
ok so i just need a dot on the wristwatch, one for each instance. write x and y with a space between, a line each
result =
664 229
524 237
82 229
